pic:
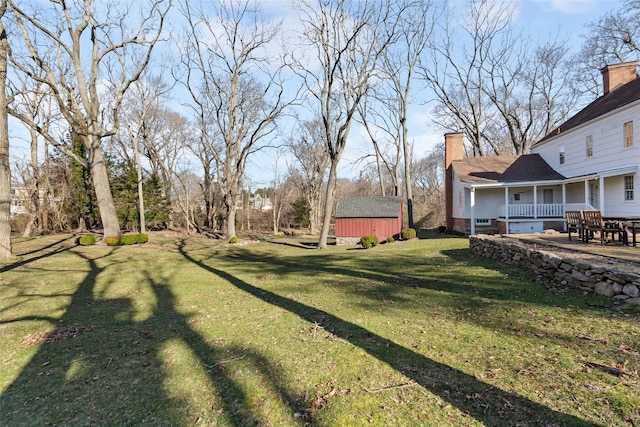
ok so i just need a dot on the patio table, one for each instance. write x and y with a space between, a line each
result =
626 224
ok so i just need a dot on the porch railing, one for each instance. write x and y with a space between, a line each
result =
546 210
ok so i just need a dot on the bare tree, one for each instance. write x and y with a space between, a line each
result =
348 39
142 114
167 151
36 103
456 73
377 113
428 173
612 38
500 88
85 53
532 95
5 171
310 151
237 90
399 64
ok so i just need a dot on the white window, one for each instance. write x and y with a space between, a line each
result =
628 134
628 187
483 221
516 196
561 159
547 196
589 146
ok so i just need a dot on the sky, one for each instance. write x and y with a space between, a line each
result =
537 17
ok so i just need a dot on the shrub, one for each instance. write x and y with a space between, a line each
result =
442 229
390 239
86 240
113 241
233 240
368 241
129 239
408 233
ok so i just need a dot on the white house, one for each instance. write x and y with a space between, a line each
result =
588 162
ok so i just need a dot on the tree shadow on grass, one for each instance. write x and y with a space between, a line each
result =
295 244
49 250
454 289
450 384
447 274
99 366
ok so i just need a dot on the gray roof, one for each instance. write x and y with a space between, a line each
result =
368 207
507 168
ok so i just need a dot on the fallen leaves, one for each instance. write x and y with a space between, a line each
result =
58 334
322 396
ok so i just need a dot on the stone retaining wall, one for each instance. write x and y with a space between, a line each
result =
564 271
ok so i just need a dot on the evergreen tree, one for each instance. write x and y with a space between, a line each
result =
156 205
123 179
83 194
301 212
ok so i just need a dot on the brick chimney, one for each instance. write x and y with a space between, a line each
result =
453 150
618 74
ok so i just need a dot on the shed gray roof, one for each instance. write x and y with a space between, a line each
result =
368 207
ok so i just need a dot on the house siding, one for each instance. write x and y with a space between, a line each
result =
608 150
460 197
494 196
595 179
614 198
358 227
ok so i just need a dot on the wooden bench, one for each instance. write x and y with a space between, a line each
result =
574 223
593 222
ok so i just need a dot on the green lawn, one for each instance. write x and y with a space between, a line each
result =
189 331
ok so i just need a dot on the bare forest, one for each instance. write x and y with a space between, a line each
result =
150 115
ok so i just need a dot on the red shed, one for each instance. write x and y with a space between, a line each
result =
364 216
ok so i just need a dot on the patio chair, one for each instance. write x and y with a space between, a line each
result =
593 223
574 223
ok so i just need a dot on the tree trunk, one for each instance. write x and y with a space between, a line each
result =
328 208
35 191
100 176
407 173
28 229
231 222
43 223
313 224
5 171
275 220
143 227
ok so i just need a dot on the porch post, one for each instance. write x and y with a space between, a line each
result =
564 203
535 201
586 191
506 202
473 210
506 210
601 196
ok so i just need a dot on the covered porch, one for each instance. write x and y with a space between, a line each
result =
530 207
